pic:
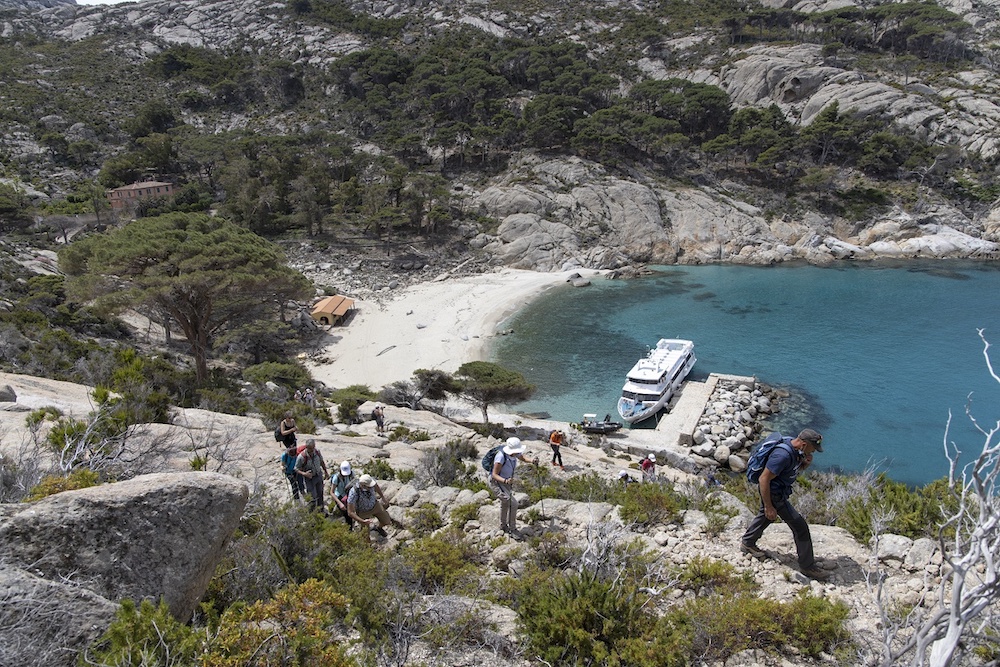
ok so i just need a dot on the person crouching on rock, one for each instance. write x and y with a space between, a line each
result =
502 478
364 501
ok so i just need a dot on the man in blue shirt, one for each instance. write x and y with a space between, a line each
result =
784 464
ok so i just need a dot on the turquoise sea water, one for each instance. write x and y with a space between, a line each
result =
875 356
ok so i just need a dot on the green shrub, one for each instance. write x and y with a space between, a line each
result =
406 435
278 545
551 550
405 476
718 576
716 627
576 619
914 512
650 504
291 376
51 484
380 469
425 519
462 514
304 616
443 466
349 399
816 624
148 635
443 562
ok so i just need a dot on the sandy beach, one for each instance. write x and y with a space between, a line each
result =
439 324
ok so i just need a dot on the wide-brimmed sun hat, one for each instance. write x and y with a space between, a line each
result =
345 468
367 481
513 446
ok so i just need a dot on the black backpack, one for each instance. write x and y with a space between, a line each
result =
277 433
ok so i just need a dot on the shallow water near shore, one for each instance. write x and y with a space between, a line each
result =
875 355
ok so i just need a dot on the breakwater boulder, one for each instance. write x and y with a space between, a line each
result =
732 422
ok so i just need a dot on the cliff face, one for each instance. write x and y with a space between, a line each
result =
557 212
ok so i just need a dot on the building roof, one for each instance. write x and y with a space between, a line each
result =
142 186
336 305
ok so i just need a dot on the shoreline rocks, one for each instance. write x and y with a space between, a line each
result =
733 419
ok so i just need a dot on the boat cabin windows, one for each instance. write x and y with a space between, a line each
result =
650 381
640 398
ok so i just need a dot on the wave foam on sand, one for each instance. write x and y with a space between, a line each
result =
434 325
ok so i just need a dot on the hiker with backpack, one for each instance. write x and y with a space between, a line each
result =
502 480
774 466
378 414
648 468
311 467
285 432
365 503
340 484
288 467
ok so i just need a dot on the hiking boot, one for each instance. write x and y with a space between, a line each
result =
381 531
815 572
753 550
515 535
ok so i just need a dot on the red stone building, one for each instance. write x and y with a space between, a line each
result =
127 195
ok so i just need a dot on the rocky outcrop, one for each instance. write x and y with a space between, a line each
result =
46 622
961 109
562 213
80 552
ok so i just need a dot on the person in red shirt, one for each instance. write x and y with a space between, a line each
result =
648 467
555 442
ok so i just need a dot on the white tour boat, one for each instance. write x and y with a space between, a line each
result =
655 378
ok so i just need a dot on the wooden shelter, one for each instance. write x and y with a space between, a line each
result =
332 309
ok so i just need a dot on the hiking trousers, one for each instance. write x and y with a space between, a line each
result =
297 483
379 512
795 521
314 489
508 506
556 455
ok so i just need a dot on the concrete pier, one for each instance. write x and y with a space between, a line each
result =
674 433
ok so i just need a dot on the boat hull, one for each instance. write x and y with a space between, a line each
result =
654 380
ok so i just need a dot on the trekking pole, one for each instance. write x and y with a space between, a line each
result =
538 484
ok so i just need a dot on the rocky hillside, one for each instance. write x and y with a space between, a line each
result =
527 203
162 534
